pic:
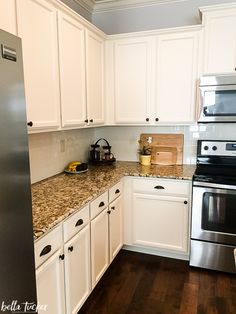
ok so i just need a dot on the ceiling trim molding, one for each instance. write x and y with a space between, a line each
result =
111 5
87 5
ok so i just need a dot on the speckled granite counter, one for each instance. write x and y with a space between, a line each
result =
56 198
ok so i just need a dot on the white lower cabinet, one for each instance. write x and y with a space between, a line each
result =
115 227
160 221
70 263
49 259
99 246
50 285
77 270
156 216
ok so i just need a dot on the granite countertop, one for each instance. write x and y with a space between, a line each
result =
56 198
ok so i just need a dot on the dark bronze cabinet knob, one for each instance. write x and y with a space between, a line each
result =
147 119
157 119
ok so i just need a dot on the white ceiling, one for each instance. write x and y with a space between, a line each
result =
106 5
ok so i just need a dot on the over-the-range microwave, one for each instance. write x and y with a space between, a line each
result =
218 98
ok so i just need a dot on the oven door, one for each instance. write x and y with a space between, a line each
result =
218 104
214 213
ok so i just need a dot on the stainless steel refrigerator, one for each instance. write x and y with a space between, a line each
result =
17 268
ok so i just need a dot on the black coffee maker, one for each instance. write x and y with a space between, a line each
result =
101 154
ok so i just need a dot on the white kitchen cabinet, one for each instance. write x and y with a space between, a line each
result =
49 259
8 16
219 38
156 216
160 222
37 26
176 77
115 227
152 79
72 70
50 285
99 246
77 270
132 77
95 78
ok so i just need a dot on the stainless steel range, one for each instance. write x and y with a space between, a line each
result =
213 230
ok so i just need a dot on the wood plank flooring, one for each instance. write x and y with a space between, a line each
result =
139 283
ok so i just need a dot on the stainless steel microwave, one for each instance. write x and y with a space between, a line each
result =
218 98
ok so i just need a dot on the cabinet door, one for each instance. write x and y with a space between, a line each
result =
99 246
220 42
176 70
50 285
77 270
115 227
132 80
8 16
72 71
37 26
95 78
160 222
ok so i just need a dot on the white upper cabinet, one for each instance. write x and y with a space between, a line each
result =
152 79
132 79
176 77
37 26
72 71
8 16
219 38
95 78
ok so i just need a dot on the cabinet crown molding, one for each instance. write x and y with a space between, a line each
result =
217 7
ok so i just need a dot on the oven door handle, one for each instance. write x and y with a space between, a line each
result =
214 185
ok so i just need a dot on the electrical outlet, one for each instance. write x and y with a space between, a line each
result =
63 145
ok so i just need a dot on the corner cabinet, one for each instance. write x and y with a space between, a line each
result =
152 79
157 216
37 26
131 69
219 38
176 77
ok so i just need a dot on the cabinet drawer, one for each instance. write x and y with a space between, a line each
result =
115 191
75 223
49 244
98 204
161 186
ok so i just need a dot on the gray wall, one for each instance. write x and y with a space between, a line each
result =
157 16
79 9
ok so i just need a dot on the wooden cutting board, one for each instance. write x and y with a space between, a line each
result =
166 149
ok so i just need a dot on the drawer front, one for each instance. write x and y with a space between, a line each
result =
115 191
162 186
98 204
75 223
48 245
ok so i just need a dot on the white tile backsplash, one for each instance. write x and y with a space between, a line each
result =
51 152
124 139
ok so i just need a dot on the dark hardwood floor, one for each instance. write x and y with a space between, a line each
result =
147 284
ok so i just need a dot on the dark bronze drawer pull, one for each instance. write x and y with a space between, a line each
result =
46 250
117 191
101 204
79 222
159 187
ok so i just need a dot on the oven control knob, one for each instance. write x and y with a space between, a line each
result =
214 148
206 147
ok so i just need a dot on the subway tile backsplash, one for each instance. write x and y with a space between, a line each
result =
51 152
124 139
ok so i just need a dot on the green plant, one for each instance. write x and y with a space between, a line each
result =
145 150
